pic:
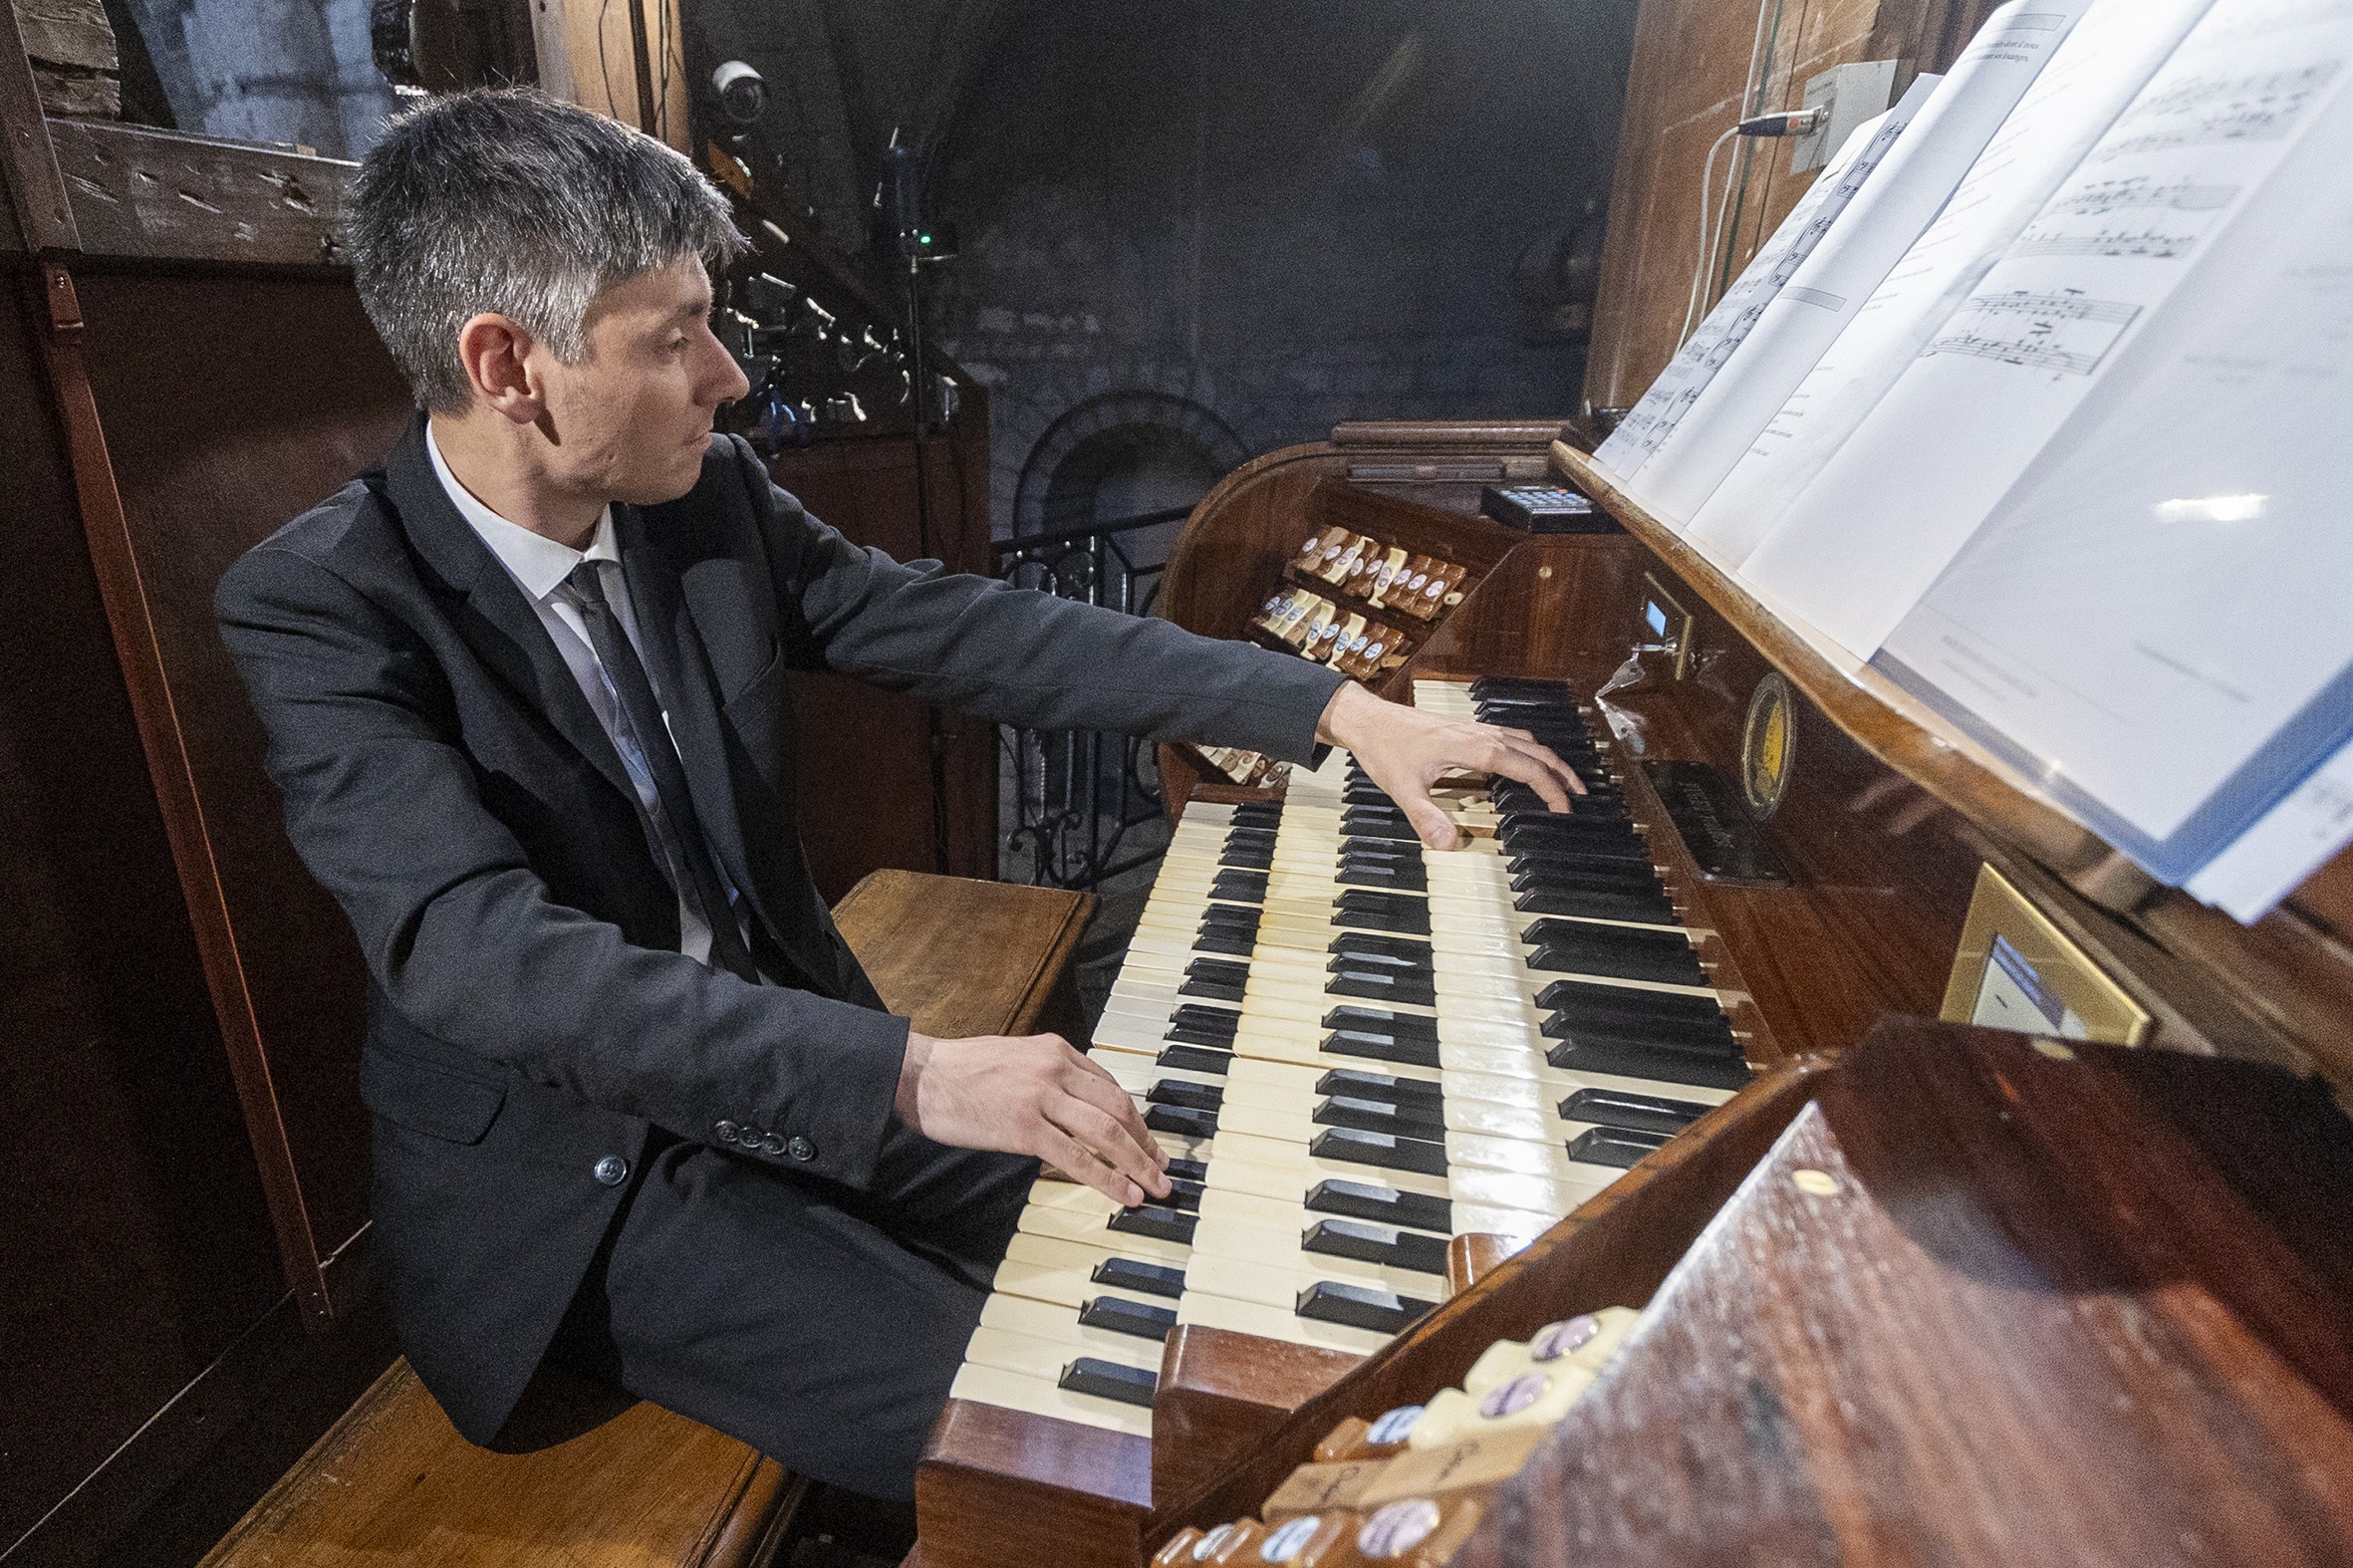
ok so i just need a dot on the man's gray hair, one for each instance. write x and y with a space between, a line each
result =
507 201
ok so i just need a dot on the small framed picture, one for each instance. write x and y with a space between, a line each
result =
2017 970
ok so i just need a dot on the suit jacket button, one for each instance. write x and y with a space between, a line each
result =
611 1170
801 1149
773 1144
727 1132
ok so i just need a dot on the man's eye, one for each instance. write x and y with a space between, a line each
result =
677 344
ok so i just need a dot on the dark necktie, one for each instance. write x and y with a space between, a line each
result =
643 716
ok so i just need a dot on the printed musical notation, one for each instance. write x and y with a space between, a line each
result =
2152 243
2101 197
2198 112
2066 333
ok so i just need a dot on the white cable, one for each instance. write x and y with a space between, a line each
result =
1699 266
1748 87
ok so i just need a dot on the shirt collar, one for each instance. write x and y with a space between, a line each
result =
538 564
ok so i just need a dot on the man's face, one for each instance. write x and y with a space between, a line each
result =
632 418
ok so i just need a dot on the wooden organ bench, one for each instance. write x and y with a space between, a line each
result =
394 1483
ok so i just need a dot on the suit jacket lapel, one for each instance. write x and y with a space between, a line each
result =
499 622
676 660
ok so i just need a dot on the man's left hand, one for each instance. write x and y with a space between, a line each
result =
1406 751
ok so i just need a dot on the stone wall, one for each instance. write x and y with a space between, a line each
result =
1283 216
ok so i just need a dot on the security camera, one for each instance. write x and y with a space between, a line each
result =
740 94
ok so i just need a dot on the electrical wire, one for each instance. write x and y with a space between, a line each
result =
1690 312
1747 105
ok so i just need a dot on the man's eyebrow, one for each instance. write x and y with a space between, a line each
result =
692 311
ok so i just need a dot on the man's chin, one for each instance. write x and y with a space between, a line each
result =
676 480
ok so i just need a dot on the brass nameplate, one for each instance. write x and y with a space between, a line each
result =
1713 824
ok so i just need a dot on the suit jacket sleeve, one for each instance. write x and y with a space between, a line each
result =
1027 658
462 937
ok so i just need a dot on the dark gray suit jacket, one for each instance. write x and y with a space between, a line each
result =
530 1015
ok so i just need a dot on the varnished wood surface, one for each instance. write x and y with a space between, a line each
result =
998 1487
963 957
2020 1317
864 754
1220 1392
393 1483
1472 1257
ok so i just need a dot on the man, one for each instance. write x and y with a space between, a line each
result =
636 1110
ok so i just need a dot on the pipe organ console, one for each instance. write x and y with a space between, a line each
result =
1666 1057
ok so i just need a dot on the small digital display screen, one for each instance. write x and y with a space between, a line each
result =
2013 995
1654 616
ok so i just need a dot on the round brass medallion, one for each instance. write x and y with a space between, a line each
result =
1768 746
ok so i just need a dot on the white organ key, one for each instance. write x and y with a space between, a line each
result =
986 1384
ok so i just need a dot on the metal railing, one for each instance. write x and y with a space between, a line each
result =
1075 796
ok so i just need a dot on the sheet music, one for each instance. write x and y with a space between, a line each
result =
2106 60
1860 544
1912 183
2155 620
1695 363
2293 840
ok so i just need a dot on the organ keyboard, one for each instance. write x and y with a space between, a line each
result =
1352 1051
1900 1275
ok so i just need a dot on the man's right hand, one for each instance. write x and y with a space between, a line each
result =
1032 1095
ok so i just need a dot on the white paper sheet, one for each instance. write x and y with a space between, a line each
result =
1805 315
2159 618
2107 57
2095 267
2293 840
1706 350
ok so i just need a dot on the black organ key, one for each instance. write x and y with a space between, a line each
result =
1379 984
1664 1067
1384 1244
1385 823
1225 939
1155 1221
1381 1021
1355 1083
1182 1121
1184 1092
1153 1279
1108 1380
1412 1119
1382 1205
1196 1059
1378 1310
1182 1195
1244 887
1258 814
1182 1170
1633 1112
1400 879
1373 947
1385 1151
1386 911
1214 977
1614 1146
1660 956
1121 1316
1218 1023
1598 1002
1610 905
1382 1048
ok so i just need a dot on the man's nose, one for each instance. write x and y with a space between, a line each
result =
731 383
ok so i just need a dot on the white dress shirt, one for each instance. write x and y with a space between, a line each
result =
542 569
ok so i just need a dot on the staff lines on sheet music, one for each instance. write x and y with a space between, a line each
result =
2262 107
2068 333
2104 196
2150 242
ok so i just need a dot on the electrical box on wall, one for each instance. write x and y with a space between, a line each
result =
1852 94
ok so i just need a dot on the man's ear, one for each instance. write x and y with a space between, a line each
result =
496 354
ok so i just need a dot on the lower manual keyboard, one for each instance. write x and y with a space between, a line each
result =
1353 1051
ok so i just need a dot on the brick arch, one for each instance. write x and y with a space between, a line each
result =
1093 433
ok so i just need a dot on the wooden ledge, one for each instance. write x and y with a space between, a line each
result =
962 957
